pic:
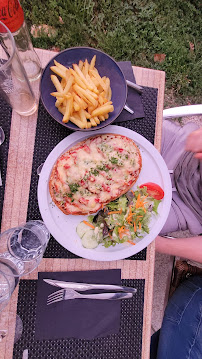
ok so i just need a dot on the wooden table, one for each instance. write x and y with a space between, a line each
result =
19 167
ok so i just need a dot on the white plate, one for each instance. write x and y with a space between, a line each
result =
63 227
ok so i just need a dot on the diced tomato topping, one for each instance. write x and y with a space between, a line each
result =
84 147
91 178
83 200
68 199
120 150
99 150
64 157
82 182
106 188
66 166
97 200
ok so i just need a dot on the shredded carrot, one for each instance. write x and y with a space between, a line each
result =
115 212
140 204
130 214
122 230
133 192
134 226
89 224
110 235
140 225
102 206
129 219
131 242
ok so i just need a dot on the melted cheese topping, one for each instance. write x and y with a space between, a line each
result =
95 172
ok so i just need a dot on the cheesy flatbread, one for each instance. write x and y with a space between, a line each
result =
94 172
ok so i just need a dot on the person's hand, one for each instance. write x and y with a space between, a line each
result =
194 143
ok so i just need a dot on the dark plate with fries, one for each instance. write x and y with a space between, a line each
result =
83 89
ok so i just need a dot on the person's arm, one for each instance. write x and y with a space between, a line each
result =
194 143
189 248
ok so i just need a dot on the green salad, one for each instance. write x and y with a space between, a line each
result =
125 219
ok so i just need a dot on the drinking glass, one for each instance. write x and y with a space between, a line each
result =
8 282
22 247
5 290
14 84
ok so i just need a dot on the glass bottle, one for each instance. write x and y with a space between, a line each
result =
12 15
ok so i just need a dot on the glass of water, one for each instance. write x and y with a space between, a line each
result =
5 290
8 282
22 248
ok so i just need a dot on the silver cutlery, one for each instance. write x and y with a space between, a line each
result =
86 286
25 354
65 294
38 171
138 88
2 334
127 108
2 138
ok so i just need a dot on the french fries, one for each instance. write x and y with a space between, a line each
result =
82 95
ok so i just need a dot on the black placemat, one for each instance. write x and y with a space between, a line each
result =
5 123
49 133
126 344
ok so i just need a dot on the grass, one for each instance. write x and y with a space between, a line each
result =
130 30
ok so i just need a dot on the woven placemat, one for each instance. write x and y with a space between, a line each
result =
5 123
126 344
49 133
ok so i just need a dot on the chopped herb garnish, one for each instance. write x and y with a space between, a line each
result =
94 172
114 160
73 187
103 168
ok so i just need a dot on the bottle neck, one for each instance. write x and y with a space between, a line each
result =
11 14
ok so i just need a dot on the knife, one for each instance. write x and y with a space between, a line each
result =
86 286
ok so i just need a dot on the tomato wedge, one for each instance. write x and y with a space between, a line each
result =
154 190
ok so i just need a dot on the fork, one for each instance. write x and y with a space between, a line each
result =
64 294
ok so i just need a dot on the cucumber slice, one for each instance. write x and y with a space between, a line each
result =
82 228
88 240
